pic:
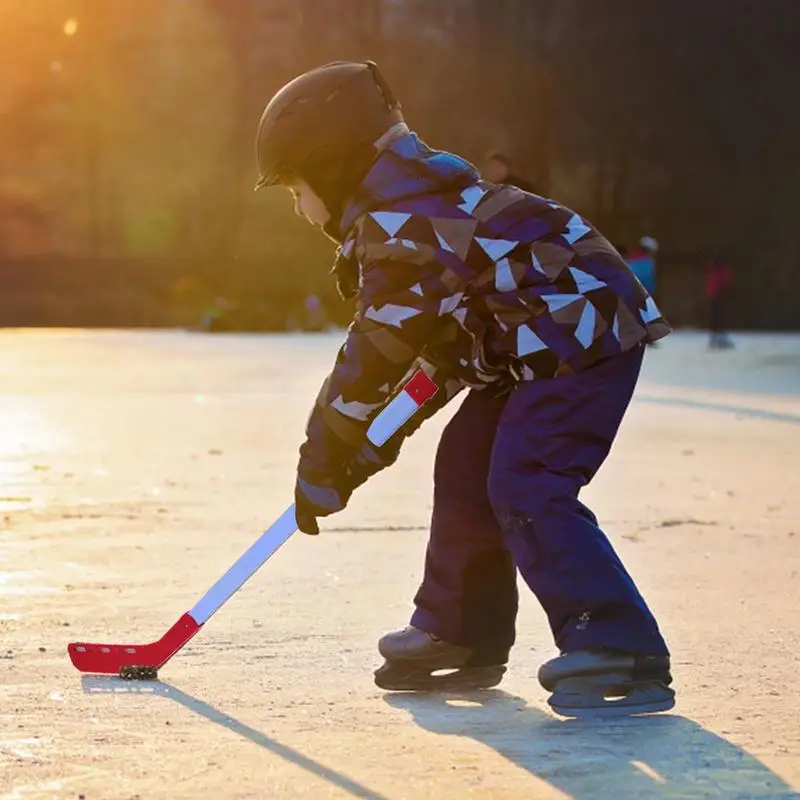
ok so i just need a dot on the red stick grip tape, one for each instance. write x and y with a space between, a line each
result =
420 387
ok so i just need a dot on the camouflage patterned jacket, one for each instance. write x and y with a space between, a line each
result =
484 285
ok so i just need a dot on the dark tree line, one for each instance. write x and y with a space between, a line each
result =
131 138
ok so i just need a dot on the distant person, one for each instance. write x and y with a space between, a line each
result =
212 320
642 261
719 282
498 168
315 317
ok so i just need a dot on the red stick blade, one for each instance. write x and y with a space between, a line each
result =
109 659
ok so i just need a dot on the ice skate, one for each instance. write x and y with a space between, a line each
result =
419 661
597 683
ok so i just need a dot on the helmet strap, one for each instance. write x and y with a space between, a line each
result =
388 94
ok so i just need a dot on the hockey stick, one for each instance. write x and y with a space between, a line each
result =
143 660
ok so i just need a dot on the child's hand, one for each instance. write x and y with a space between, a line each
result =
370 460
317 496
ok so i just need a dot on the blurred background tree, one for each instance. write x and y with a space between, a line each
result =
126 140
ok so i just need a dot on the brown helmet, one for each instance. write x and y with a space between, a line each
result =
324 117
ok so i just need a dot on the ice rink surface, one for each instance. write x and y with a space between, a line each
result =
136 466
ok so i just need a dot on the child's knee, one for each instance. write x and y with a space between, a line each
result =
516 495
518 499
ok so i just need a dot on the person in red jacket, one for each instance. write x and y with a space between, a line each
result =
719 282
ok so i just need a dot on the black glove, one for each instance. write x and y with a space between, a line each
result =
323 489
317 495
370 460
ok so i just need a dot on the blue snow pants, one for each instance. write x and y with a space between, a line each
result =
506 482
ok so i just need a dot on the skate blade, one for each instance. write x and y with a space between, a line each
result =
649 699
405 678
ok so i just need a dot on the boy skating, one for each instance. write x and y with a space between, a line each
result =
523 302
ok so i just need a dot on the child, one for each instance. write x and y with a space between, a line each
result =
519 299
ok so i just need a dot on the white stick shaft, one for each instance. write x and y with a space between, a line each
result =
267 544
390 419
397 412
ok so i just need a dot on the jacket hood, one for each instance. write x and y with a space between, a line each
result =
407 167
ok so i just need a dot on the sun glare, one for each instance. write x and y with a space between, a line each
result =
71 26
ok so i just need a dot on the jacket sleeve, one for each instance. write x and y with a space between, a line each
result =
448 387
369 459
399 311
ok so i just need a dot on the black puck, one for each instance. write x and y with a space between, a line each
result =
137 673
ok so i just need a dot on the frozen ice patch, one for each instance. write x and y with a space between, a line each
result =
7 590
